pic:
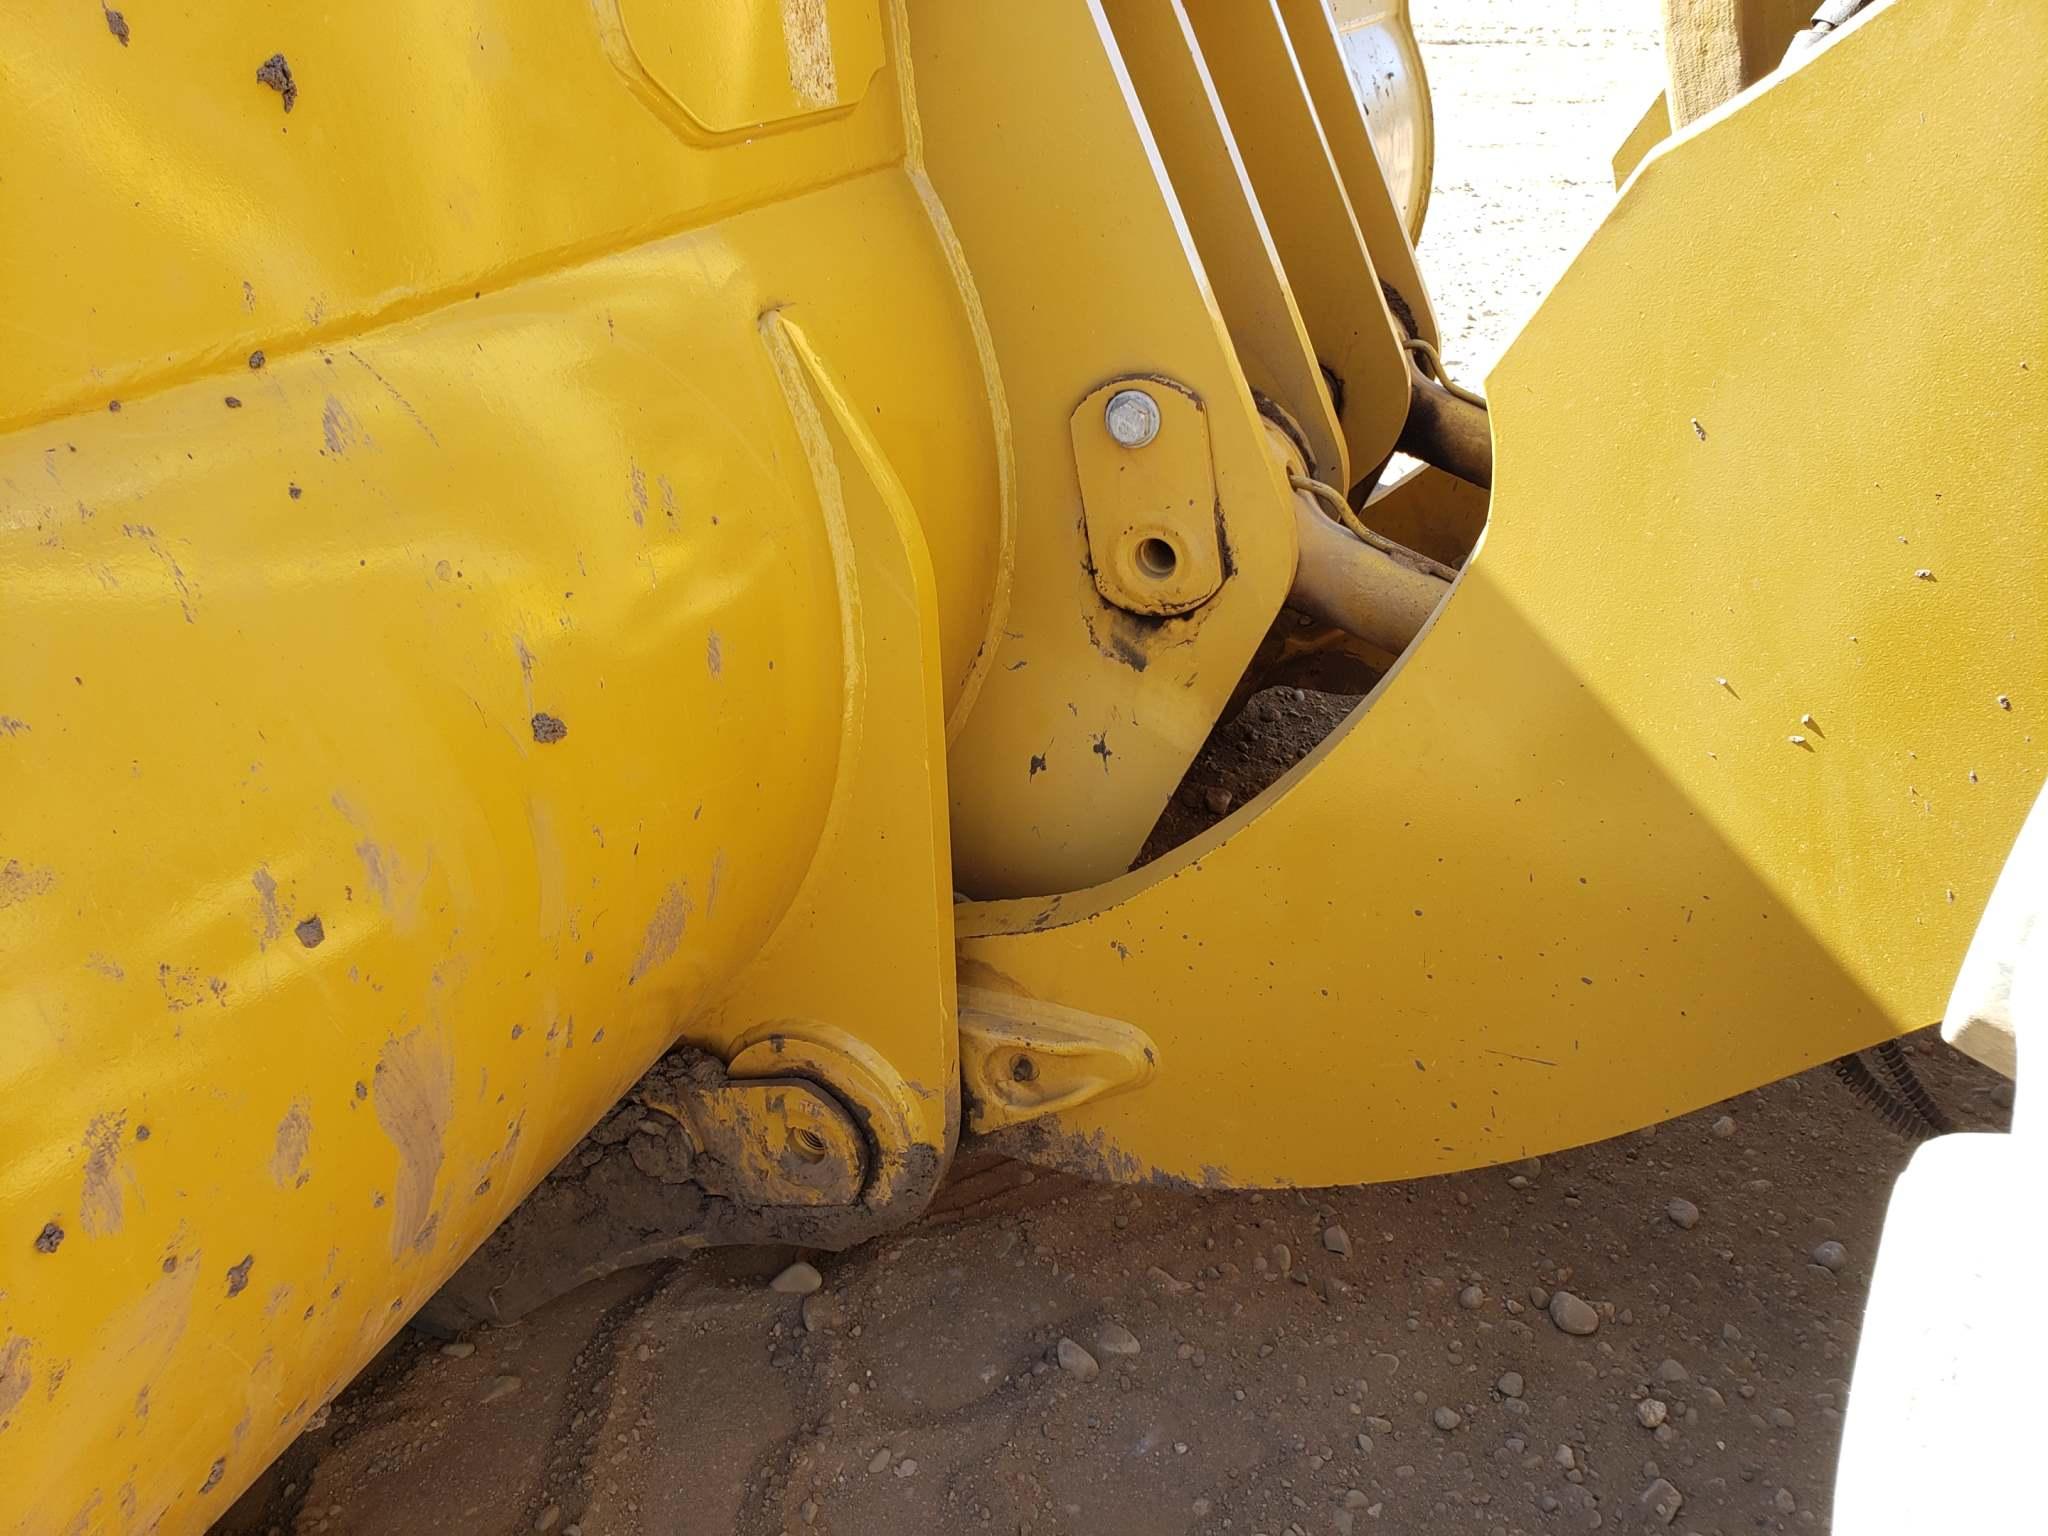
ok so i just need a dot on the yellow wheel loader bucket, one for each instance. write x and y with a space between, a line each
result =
551 553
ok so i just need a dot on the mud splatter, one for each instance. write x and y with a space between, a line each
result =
238 1274
312 932
713 655
23 882
220 1463
183 989
268 911
415 1095
257 360
9 726
116 23
547 729
638 504
14 1374
50 1238
277 74
1037 765
664 931
294 1136
105 965
99 1202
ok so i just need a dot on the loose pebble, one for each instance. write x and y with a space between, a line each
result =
1572 1315
1076 1361
1510 1384
1218 800
1683 1213
460 1349
1337 1241
820 1312
502 1386
1446 1418
879 1460
1672 1371
907 1467
1830 1255
1651 1412
545 1520
1724 1127
1661 1500
1115 1339
800 1279
1783 1501
1471 1298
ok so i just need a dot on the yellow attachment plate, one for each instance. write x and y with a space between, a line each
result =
1333 90
1302 196
1151 505
1385 63
1088 715
1210 184
1568 871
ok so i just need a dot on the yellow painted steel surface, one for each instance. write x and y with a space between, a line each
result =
408 738
1706 768
542 542
1378 38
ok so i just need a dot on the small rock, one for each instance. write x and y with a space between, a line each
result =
1662 1500
1446 1419
807 1511
1115 1339
1830 1255
879 1460
1651 1412
2001 1094
1337 1241
1572 1315
461 1349
1171 1284
1781 1418
1672 1371
1683 1213
1472 1298
502 1386
545 1520
1539 1298
1217 799
907 1467
1724 1127
1564 1457
1510 1384
800 1279
1283 1258
1783 1501
1076 1361
820 1312
1364 1443
644 1353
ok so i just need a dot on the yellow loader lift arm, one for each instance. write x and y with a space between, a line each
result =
552 548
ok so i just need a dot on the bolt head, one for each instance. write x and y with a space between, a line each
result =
1132 417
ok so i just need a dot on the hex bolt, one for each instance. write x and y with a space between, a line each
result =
1132 417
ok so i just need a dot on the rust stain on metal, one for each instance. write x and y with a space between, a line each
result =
22 882
294 1136
268 911
664 931
414 1098
99 1202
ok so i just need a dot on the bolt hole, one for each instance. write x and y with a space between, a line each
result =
1156 558
1023 1070
807 1144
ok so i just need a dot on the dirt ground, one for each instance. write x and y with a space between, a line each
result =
1041 1355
